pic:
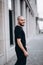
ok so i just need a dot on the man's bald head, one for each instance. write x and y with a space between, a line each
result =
21 20
20 17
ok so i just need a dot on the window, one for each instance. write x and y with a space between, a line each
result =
21 1
10 9
35 1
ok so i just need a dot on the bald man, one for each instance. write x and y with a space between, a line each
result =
20 42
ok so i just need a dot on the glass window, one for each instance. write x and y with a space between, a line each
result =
35 1
9 4
21 1
11 14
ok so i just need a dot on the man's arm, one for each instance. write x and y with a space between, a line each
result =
21 47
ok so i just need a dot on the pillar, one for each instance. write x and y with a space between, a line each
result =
24 13
17 9
27 23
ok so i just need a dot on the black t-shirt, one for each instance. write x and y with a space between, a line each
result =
19 33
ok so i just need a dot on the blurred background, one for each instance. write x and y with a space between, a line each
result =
40 14
32 11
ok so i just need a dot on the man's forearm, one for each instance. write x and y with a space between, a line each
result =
20 45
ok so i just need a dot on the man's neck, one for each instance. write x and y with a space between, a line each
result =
19 25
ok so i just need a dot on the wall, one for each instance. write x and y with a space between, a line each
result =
7 51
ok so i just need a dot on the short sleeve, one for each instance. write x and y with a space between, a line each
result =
17 32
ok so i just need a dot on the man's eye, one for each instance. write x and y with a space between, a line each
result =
22 20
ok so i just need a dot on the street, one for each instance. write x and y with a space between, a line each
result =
35 50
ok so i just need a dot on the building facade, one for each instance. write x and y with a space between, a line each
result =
9 11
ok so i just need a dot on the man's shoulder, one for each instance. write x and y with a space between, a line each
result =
17 27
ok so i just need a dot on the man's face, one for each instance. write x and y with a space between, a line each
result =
21 21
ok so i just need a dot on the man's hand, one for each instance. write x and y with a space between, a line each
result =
26 53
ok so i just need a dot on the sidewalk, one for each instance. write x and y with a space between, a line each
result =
35 51
12 61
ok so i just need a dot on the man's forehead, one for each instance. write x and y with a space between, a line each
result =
21 17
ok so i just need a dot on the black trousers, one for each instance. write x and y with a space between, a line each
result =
21 59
